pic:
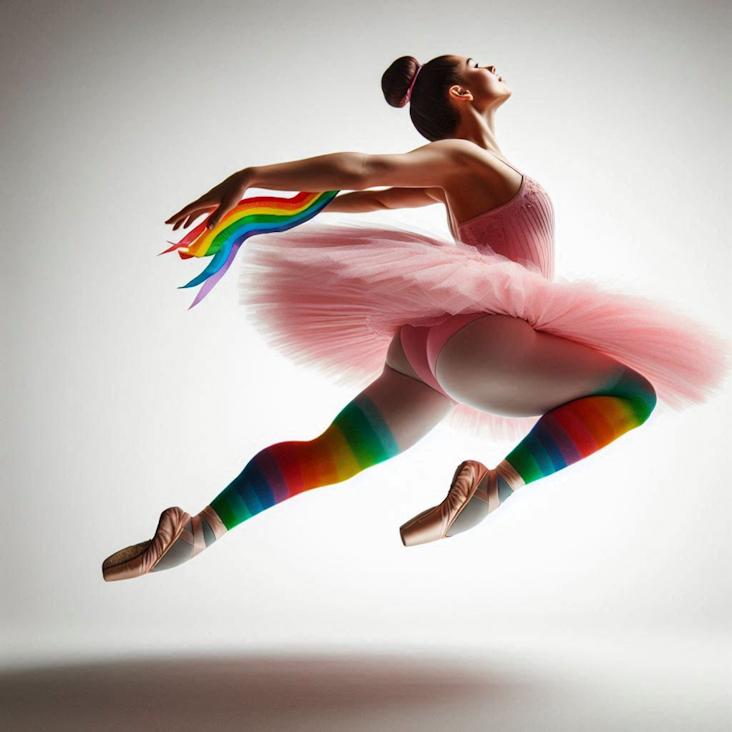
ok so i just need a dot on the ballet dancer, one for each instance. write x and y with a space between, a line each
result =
476 326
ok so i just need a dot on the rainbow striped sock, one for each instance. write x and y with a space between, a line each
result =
574 430
358 438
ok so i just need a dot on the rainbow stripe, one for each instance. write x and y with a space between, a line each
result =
358 438
256 215
581 427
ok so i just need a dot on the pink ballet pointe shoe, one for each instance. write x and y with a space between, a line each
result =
472 496
140 559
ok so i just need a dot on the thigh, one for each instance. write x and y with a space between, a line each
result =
398 407
500 364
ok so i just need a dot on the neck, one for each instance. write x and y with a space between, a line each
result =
480 129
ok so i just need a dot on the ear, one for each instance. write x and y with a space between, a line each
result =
460 93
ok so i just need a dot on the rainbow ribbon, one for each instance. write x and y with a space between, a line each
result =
256 215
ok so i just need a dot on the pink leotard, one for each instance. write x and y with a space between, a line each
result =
522 230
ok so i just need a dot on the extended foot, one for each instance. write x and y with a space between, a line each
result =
178 538
491 493
475 492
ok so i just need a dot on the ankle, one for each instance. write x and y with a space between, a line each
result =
201 530
508 478
213 527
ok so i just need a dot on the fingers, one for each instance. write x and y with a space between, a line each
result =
189 220
213 220
220 212
189 214
183 212
219 200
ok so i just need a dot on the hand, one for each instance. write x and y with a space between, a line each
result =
219 200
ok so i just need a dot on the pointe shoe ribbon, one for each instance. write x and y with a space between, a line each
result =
451 516
213 520
140 559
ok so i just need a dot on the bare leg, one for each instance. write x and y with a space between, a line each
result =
586 399
500 364
393 413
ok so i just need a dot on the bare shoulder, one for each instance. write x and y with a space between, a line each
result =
428 166
479 158
474 163
458 151
462 149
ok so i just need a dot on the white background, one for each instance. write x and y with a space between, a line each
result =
120 402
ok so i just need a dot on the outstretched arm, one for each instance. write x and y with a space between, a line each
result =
433 165
427 166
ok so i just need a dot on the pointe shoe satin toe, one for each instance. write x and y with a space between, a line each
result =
472 496
140 559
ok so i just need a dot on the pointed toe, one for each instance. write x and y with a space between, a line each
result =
423 528
139 559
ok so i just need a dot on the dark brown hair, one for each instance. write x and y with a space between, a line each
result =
429 107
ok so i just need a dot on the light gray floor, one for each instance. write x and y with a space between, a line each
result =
580 686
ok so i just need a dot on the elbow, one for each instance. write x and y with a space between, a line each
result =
363 175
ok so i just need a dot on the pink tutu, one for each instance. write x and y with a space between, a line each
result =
332 297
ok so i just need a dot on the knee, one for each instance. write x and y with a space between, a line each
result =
638 391
646 400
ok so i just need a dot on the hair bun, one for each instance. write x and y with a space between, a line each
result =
397 79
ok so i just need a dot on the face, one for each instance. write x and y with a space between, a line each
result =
484 81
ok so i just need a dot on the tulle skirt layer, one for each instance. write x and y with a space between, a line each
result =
331 297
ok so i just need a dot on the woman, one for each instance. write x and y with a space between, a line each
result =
476 329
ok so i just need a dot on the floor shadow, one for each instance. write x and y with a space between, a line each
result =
242 692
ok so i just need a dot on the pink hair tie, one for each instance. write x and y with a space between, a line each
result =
409 91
